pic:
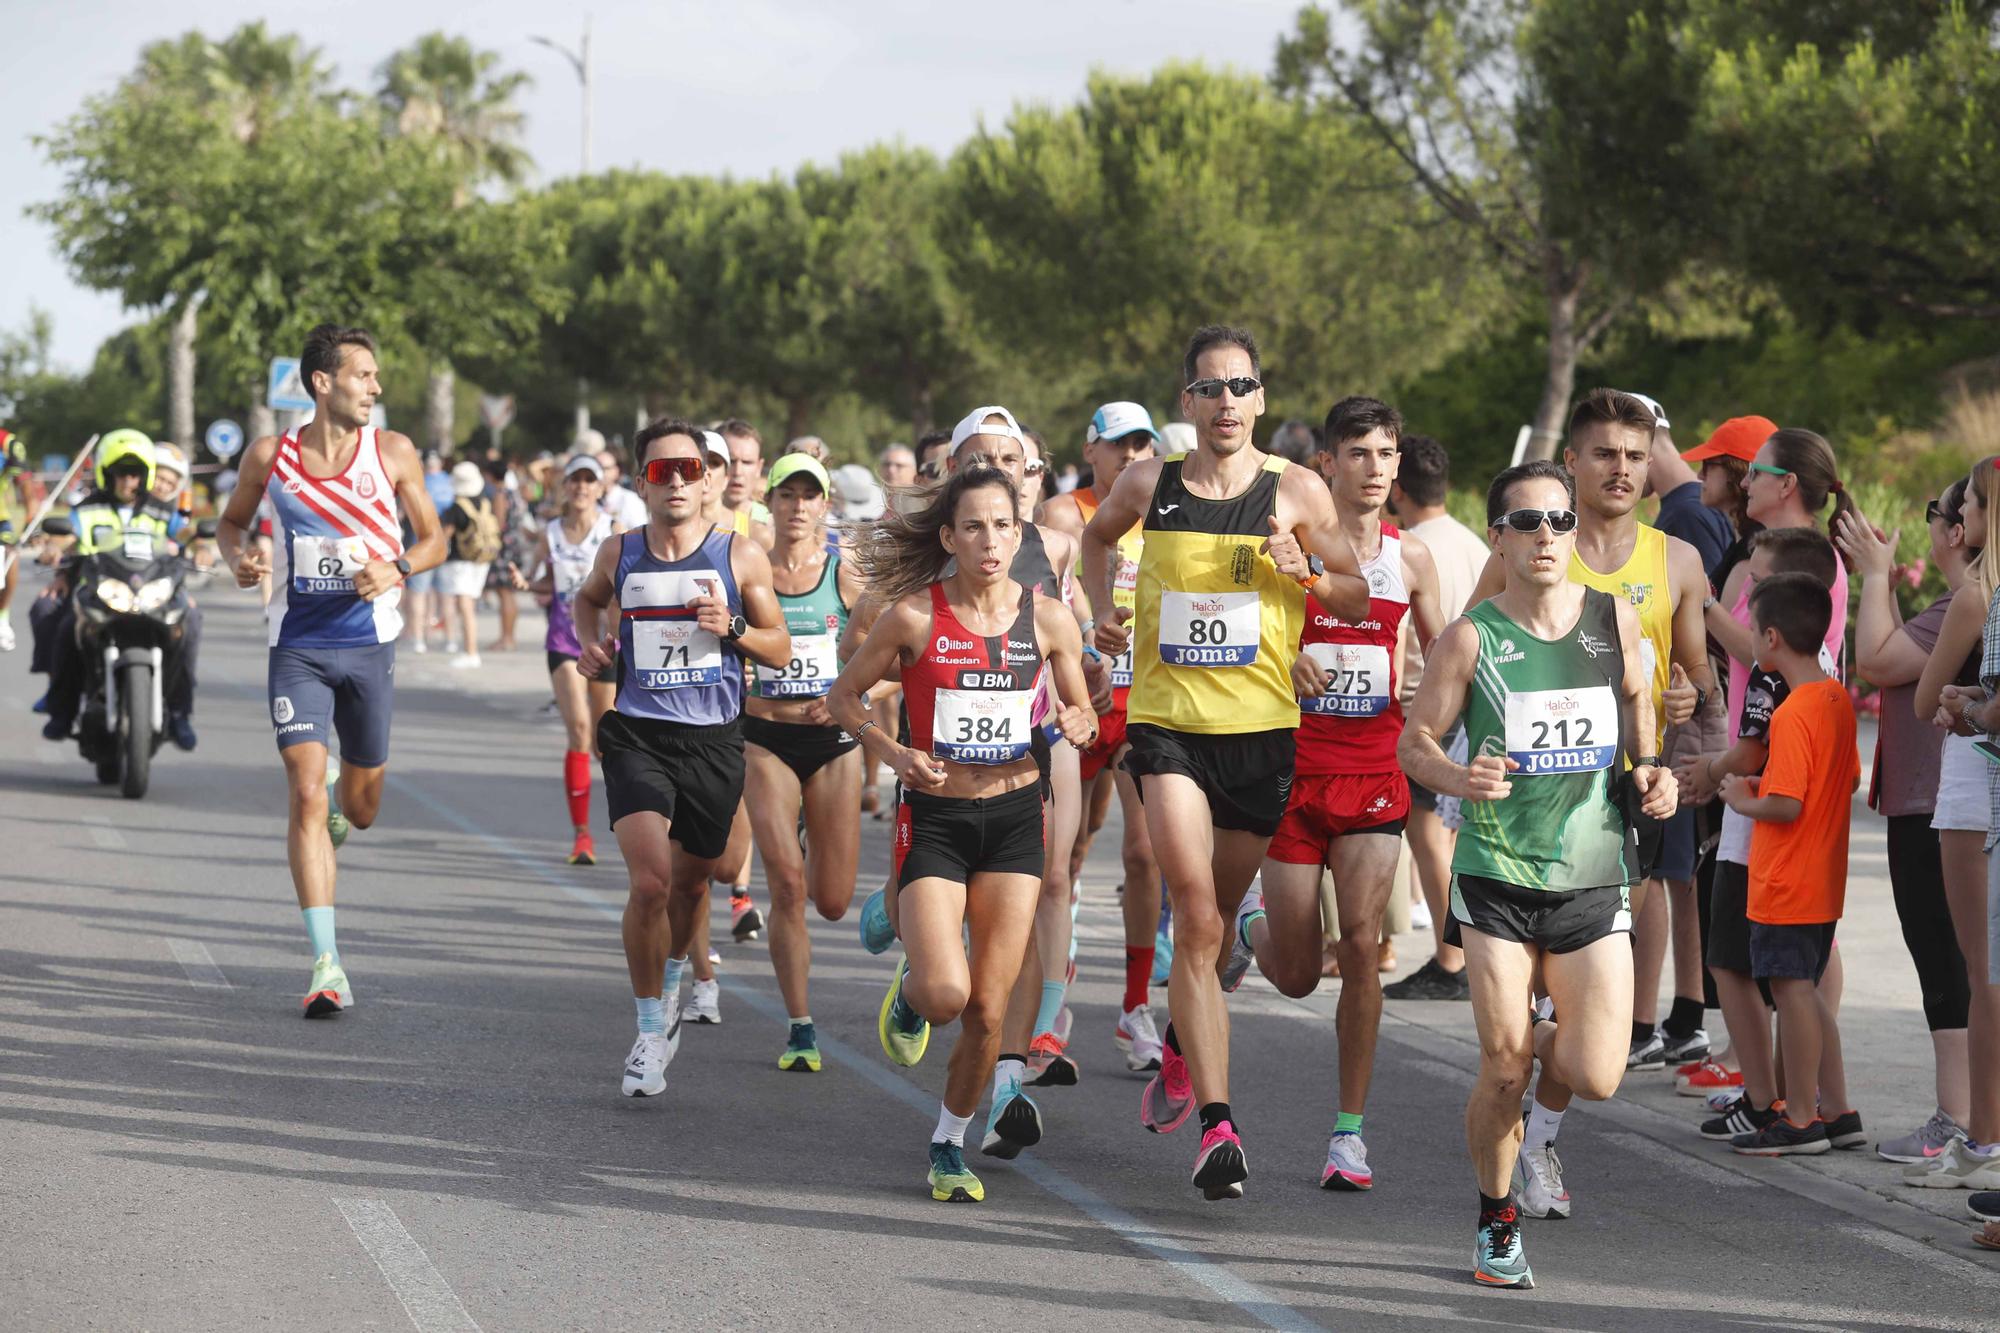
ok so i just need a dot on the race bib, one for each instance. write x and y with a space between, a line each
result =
981 726
1208 629
1357 682
568 576
1121 670
1562 731
323 566
810 673
674 654
139 547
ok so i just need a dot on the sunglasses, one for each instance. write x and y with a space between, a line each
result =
1034 469
1933 511
1560 521
658 470
1241 387
1770 471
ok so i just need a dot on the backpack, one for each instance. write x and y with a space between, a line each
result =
479 541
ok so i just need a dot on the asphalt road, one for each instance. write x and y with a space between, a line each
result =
182 1151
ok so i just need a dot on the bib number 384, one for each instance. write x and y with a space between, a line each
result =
1208 629
1562 731
981 726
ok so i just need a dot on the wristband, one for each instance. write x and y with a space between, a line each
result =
862 730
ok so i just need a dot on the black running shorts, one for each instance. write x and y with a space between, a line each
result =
1247 777
805 748
1560 922
691 775
951 838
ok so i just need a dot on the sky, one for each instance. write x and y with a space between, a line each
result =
746 87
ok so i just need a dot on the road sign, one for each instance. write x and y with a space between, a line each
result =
224 438
496 412
284 391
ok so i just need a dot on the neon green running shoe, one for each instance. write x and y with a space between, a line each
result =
336 823
801 1050
951 1182
904 1032
328 994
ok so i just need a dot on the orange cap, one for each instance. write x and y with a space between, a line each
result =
1738 437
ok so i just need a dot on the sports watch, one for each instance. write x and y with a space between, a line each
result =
738 627
402 566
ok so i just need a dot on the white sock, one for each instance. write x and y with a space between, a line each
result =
950 1128
1005 1070
671 982
1543 1125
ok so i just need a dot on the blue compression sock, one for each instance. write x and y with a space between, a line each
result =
652 1014
1052 1003
671 985
319 931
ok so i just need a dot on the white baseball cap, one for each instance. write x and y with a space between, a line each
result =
714 446
1179 437
1114 421
1653 406
582 463
975 423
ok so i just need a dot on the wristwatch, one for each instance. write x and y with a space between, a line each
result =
1646 761
402 566
1315 567
738 627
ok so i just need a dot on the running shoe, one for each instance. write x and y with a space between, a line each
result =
801 1050
329 983
1650 1053
1844 1131
714 958
1985 1205
705 1004
1499 1259
1240 954
1538 1174
1923 1143
646 1066
1680 1050
1052 1068
1163 957
1014 1123
950 1181
1139 1039
336 823
877 931
1742 1118
904 1032
1420 914
1781 1138
6 637
1220 1167
745 921
583 852
1430 982
1169 1096
1701 1077
1346 1164
1957 1168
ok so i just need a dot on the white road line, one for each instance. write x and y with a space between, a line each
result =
194 959
1680 1163
1945 1262
427 1298
100 831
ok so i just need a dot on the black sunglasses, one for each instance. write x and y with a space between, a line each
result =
1531 520
1933 511
1242 387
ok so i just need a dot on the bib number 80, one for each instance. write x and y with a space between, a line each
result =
1205 633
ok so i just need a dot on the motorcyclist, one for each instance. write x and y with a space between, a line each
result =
170 487
120 514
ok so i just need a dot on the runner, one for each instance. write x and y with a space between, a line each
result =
1350 799
694 604
1119 435
795 759
1544 864
1210 719
746 923
565 550
334 613
970 644
743 486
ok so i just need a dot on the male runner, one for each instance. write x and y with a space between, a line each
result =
338 488
1350 798
694 603
1555 692
743 492
1232 535
1119 435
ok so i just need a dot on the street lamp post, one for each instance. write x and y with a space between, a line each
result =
579 61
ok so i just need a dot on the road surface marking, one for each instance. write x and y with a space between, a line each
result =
100 831
1681 1163
201 970
427 1298
1942 1260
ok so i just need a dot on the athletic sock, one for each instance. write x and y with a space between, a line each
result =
319 931
1543 1125
1052 1003
670 983
1247 920
576 785
652 1014
1138 975
1172 1038
804 1022
950 1128
1683 1018
1488 1205
1641 1033
1346 1122
1008 1068
1213 1114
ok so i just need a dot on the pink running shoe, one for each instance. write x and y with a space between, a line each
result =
1169 1097
1220 1169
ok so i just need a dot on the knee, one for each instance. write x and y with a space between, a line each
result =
309 798
1197 933
1358 950
1504 1070
1296 980
649 888
362 816
788 890
1595 1085
981 1018
941 1001
831 907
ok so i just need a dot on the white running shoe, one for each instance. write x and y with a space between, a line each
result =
1139 1039
646 1067
1957 1167
1240 954
1346 1164
1420 915
1538 1175
705 1005
6 637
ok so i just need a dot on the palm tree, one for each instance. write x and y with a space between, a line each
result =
442 92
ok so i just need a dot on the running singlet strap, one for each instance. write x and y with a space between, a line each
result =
1124 590
969 695
671 669
324 531
816 620
1553 708
1642 581
1354 726
1217 624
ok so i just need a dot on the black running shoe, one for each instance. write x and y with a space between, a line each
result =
1741 1118
1430 982
1985 1205
1844 1130
1782 1138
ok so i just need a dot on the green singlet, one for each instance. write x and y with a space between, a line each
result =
1553 708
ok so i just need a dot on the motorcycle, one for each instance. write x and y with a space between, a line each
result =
131 601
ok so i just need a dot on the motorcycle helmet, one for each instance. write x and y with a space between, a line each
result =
13 453
169 457
130 447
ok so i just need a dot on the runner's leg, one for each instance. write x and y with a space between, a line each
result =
1501 973
1364 872
1000 910
1287 940
1587 1047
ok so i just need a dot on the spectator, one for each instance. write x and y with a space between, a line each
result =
472 529
1295 442
897 466
620 501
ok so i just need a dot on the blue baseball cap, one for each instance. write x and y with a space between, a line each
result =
1114 421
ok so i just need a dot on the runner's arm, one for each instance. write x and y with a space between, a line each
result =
1426 602
896 634
232 529
1313 524
1059 633
1635 689
1439 702
1690 587
593 595
767 640
1114 518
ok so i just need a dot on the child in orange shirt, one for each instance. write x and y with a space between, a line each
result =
1798 857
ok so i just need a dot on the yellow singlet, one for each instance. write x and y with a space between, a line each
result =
1124 585
1642 581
